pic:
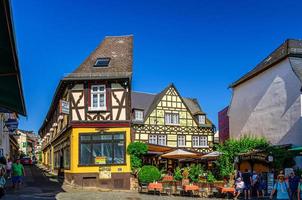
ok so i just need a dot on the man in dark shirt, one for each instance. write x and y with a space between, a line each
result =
293 182
247 179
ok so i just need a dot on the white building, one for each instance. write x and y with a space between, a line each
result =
267 100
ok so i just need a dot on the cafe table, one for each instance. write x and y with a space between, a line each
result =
226 191
191 188
155 187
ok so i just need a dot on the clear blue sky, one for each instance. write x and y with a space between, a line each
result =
200 45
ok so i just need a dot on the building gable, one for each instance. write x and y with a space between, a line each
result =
170 101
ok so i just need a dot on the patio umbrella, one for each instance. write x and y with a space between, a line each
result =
180 154
212 155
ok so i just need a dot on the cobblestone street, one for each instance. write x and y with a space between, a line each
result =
38 185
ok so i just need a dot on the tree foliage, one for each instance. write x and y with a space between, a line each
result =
136 150
231 148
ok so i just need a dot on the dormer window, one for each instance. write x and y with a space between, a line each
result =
138 115
102 62
201 119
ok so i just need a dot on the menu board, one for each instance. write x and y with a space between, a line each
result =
270 182
104 173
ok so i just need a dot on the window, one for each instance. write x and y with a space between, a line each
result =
199 141
153 139
102 149
102 62
98 97
201 119
158 139
171 118
181 140
162 140
138 115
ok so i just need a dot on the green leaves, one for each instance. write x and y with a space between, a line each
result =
149 174
231 148
195 172
136 150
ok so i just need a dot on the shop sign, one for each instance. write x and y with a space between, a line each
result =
64 107
261 157
105 172
100 160
270 182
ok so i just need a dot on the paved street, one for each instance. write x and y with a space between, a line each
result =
38 185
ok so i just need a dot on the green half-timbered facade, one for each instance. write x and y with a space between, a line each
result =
168 119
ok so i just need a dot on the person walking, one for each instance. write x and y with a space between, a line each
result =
18 173
299 190
239 186
281 188
247 179
9 168
261 186
293 182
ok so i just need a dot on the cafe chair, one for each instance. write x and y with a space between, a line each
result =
179 188
143 187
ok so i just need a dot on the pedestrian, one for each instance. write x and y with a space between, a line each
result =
9 168
239 186
293 182
254 182
247 179
18 173
299 191
261 186
2 183
281 188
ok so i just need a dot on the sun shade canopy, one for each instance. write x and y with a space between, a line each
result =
180 154
11 97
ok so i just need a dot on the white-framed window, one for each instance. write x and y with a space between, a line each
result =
201 119
200 141
138 115
181 140
153 139
158 139
162 140
172 118
98 97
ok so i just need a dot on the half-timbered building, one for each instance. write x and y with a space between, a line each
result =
169 120
87 128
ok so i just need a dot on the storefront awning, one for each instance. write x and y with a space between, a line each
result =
11 97
296 149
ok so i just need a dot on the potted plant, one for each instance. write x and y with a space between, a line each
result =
148 174
185 176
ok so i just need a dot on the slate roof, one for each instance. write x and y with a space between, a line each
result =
119 49
296 64
148 102
290 48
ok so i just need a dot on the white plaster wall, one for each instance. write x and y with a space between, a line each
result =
268 105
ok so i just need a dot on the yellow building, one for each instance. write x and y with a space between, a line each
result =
87 128
169 120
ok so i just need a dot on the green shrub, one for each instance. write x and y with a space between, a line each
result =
195 172
177 174
210 177
149 174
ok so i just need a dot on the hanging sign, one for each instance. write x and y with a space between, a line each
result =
270 182
64 107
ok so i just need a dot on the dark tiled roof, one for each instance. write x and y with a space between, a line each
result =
290 48
119 49
148 102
